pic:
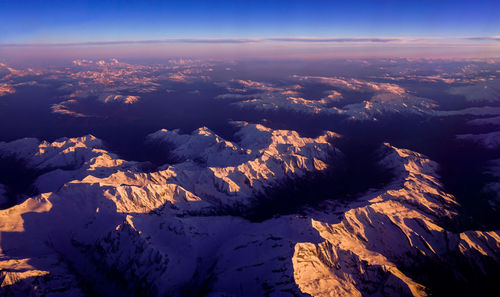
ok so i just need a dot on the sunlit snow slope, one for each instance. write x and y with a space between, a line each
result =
103 225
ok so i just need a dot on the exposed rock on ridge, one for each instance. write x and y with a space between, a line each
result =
371 249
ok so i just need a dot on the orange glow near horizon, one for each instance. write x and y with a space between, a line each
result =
255 50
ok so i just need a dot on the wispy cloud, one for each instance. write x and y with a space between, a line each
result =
366 40
125 42
334 39
483 38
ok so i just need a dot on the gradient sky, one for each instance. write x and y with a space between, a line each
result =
56 21
35 22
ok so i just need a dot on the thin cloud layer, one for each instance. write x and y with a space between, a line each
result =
486 90
415 40
489 140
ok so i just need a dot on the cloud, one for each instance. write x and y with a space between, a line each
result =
489 140
484 91
373 40
336 39
486 121
472 111
130 42
483 38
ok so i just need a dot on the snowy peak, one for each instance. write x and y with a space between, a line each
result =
80 212
211 170
64 159
201 145
375 243
122 229
254 139
149 233
262 158
63 152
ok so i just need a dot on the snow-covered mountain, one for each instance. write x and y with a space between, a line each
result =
387 99
219 171
263 157
373 246
64 159
107 227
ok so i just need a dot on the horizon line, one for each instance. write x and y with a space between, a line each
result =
300 39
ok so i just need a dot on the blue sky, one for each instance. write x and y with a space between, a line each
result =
80 21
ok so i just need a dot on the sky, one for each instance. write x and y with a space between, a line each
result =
97 27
